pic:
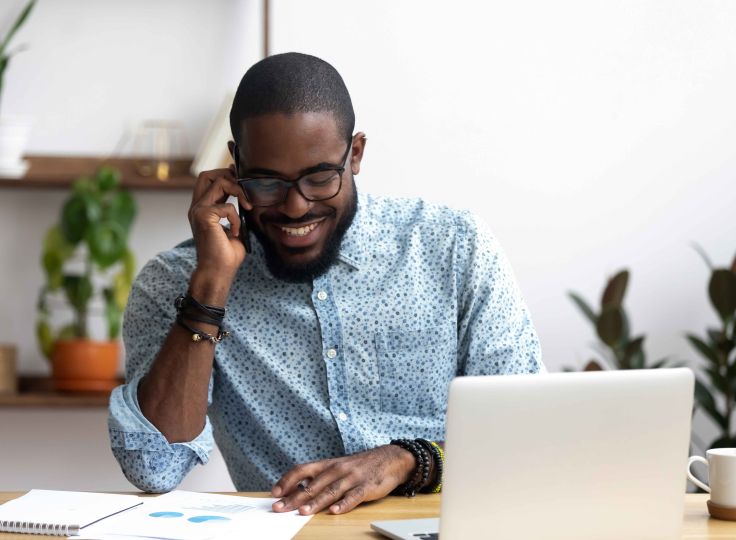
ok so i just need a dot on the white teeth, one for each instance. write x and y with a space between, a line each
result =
301 231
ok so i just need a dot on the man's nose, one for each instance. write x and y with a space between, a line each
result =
295 205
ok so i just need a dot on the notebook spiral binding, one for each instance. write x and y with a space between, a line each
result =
27 527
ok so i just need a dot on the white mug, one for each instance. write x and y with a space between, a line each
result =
721 464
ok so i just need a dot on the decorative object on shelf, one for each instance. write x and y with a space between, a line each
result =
8 374
13 130
156 144
717 396
86 256
612 327
213 152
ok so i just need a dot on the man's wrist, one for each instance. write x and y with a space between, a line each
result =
407 460
209 287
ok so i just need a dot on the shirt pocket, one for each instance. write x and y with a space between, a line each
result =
415 368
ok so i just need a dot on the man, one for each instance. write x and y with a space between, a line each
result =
347 319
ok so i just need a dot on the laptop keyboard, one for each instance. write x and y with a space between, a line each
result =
427 536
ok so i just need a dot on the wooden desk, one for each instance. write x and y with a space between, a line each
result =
356 524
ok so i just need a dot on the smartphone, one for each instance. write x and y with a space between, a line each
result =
244 236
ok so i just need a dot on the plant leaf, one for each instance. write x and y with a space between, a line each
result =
717 380
593 365
78 291
45 338
662 362
722 291
704 349
705 400
633 354
703 255
18 23
584 307
74 219
610 326
107 243
107 178
613 294
122 209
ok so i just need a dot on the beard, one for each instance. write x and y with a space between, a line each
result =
306 272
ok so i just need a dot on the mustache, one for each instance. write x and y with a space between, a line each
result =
282 219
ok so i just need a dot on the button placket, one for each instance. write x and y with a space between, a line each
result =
330 327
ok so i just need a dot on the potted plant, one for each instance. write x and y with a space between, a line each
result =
86 257
717 395
13 130
620 350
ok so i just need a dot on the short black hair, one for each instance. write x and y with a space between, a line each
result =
292 83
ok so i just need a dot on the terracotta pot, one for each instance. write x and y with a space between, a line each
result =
85 365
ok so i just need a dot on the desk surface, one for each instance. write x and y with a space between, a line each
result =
356 524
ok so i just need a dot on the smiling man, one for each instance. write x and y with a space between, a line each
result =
319 358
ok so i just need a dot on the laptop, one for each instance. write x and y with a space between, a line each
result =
573 456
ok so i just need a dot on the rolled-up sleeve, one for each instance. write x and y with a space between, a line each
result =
145 456
495 331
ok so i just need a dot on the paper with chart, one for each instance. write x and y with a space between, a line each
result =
186 515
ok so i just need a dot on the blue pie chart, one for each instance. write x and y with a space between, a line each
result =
166 514
202 519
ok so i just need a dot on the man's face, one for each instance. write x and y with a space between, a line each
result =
301 238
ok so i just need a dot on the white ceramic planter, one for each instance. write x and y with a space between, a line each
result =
14 132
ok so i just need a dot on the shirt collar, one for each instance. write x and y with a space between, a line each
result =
355 237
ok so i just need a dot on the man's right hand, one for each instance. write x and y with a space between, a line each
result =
219 250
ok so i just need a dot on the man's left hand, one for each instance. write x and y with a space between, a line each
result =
341 484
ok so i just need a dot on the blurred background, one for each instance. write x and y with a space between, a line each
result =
591 136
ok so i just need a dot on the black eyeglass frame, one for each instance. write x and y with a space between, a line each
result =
292 183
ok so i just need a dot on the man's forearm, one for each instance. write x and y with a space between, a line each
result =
173 394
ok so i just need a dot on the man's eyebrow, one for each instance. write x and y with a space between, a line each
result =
271 172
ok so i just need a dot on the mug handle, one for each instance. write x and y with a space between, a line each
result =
697 459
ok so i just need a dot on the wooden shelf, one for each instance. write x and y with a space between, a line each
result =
38 392
58 172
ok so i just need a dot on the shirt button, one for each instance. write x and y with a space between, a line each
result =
331 353
342 416
322 295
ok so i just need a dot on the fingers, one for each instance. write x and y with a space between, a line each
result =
288 483
323 490
350 500
216 186
209 215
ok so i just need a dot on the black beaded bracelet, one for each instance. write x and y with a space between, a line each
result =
438 462
421 472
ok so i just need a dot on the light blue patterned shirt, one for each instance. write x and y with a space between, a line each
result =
419 294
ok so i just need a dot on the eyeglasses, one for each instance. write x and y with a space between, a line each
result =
316 184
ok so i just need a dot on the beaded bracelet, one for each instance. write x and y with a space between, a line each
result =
440 467
438 460
421 472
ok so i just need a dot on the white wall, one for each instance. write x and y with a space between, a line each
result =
590 135
94 71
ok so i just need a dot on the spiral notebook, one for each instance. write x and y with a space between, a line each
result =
61 513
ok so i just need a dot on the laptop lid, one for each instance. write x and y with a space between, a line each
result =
567 456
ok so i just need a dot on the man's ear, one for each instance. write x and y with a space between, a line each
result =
359 141
231 147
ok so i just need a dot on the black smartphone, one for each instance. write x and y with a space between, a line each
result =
244 236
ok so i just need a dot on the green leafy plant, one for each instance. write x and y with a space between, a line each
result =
5 54
94 227
718 398
612 327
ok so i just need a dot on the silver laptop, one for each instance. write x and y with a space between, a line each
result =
588 456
